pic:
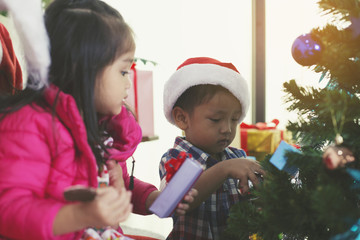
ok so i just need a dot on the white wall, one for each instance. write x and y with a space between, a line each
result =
285 21
169 32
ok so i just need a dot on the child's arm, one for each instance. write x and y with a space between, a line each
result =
237 168
109 208
116 180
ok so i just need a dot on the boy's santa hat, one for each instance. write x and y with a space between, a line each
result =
29 23
204 70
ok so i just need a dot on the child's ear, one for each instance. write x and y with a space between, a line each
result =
180 117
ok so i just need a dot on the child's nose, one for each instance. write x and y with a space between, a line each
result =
128 82
226 127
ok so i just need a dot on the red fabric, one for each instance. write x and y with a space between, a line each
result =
10 70
127 134
41 155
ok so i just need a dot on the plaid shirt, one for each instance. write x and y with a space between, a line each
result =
207 221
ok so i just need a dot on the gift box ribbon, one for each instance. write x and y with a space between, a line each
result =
174 164
261 125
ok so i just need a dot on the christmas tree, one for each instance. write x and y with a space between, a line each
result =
321 199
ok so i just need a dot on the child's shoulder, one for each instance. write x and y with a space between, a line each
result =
31 119
172 153
238 152
25 117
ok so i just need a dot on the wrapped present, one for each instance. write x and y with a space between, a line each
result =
140 98
261 139
279 160
181 175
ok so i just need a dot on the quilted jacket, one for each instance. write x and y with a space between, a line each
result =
40 156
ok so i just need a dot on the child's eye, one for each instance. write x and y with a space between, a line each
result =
214 119
124 73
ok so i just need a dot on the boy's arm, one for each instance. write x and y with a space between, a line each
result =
212 178
208 182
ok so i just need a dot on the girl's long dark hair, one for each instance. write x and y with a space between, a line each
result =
85 37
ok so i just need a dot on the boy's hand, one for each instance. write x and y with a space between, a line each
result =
245 169
182 207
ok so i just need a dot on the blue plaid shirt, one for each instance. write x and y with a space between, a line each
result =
207 221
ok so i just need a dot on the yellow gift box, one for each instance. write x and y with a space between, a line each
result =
261 139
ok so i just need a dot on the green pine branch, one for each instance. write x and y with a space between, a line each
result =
321 203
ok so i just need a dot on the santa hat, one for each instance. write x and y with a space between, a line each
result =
10 70
29 23
204 70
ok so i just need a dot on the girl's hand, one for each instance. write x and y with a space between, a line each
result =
182 207
116 174
110 207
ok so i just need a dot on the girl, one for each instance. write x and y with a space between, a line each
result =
62 134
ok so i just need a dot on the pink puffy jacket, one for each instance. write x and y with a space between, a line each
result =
40 156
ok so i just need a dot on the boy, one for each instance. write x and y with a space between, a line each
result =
207 99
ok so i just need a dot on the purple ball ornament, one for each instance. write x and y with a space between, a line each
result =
355 26
306 50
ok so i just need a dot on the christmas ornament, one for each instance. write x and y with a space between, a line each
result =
306 50
337 156
255 237
355 26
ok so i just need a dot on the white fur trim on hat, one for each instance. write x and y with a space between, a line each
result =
205 73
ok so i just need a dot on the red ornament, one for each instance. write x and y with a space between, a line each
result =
336 156
174 164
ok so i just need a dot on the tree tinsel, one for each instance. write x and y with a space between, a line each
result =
318 203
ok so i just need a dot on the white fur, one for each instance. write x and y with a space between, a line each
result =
29 23
196 74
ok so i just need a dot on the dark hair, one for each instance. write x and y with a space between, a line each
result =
83 42
196 95
85 37
93 5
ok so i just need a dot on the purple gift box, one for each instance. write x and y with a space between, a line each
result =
179 185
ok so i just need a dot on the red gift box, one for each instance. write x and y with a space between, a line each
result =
140 98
